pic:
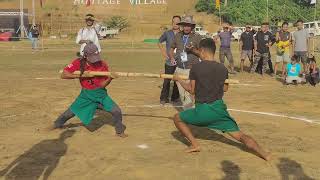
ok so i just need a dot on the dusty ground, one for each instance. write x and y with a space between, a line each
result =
28 105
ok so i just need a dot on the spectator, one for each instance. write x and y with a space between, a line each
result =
34 33
300 44
225 45
246 46
293 72
283 39
182 43
88 34
170 68
314 74
262 44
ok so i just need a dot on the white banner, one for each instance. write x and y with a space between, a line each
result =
313 1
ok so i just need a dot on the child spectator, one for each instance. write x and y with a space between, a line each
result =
293 72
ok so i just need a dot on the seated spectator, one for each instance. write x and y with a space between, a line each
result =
293 72
314 75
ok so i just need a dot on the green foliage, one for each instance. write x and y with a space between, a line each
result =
117 22
254 12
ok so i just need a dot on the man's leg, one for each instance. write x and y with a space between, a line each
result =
270 63
250 56
175 91
265 61
242 59
242 65
185 130
304 59
230 59
117 119
33 43
221 55
63 118
251 144
276 68
278 60
284 65
256 60
164 97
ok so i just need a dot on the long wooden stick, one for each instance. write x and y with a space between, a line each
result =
149 75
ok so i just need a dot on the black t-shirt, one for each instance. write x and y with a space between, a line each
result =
35 33
262 40
210 77
247 40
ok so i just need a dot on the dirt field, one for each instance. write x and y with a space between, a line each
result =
32 97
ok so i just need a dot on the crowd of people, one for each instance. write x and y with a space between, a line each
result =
291 50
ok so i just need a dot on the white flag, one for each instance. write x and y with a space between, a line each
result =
313 1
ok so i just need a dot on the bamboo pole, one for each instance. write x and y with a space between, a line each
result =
148 75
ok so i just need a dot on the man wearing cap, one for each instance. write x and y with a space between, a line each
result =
246 46
168 37
88 34
93 95
183 41
225 45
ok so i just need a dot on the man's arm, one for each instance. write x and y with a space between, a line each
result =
163 51
188 86
106 82
160 45
173 47
255 43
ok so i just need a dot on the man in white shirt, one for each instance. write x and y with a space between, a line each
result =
88 34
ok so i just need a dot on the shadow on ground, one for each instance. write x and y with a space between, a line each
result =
290 169
40 160
231 170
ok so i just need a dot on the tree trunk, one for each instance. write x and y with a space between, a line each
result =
225 3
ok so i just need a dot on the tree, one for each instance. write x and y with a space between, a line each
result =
242 12
117 22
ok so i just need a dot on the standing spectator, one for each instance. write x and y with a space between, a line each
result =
225 45
246 46
262 44
34 32
185 58
300 45
170 68
88 34
283 39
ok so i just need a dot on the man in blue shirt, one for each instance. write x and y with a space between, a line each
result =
293 71
170 68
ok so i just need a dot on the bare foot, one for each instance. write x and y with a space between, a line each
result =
122 135
193 149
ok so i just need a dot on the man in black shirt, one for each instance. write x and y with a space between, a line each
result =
208 85
246 46
34 31
262 43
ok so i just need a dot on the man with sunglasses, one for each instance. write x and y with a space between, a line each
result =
88 34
